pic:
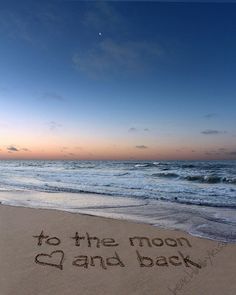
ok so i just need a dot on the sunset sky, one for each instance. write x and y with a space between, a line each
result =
117 80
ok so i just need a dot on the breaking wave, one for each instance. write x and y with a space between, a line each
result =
211 179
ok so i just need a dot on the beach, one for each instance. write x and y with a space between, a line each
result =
44 251
117 147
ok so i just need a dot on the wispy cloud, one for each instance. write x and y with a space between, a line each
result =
221 152
213 153
25 150
12 149
34 17
141 147
101 15
222 149
132 129
15 25
212 132
210 115
233 153
53 125
52 96
111 57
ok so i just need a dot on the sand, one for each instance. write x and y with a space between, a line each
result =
52 252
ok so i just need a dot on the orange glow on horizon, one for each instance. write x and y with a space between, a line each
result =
52 147
106 153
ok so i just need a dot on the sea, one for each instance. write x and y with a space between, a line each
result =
198 197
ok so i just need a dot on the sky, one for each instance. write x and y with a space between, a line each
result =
117 80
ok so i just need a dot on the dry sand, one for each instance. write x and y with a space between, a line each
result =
55 263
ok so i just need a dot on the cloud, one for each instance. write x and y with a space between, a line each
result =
210 115
101 15
212 153
221 149
27 20
132 129
25 150
53 125
110 57
212 132
52 96
12 149
15 25
141 147
232 153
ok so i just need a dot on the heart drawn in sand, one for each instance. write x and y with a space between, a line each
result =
51 259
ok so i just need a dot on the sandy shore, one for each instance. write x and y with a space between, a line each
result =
51 252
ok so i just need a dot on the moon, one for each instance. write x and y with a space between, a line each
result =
100 34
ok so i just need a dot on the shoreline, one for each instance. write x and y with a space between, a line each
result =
217 224
132 221
42 254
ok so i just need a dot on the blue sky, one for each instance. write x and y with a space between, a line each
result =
117 80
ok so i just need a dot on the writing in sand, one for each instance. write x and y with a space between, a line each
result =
137 244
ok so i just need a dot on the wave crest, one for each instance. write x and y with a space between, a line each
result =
165 175
210 179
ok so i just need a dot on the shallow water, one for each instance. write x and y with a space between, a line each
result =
199 197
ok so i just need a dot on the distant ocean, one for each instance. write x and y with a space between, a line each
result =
196 196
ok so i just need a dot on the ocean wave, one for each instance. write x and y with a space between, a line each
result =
144 165
210 179
208 166
229 180
166 175
157 163
188 166
75 167
197 202
122 174
55 189
142 179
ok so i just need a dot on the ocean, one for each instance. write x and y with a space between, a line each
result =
196 196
